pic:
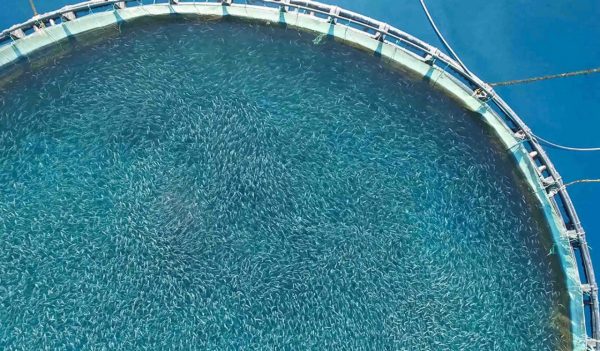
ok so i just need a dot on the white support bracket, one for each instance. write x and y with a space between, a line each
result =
589 289
548 181
383 30
334 12
573 235
17 34
283 7
69 16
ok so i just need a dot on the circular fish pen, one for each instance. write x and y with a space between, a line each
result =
358 147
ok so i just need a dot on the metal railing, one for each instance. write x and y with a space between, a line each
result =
548 176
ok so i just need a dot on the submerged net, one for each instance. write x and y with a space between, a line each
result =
227 185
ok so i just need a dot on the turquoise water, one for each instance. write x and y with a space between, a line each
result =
502 40
222 185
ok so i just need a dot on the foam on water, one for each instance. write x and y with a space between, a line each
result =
223 185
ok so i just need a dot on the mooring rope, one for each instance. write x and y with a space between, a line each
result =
569 148
512 82
547 77
35 13
441 37
508 82
582 181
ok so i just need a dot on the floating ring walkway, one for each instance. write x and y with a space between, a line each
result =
391 44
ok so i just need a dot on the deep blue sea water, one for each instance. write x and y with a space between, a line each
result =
216 186
503 40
